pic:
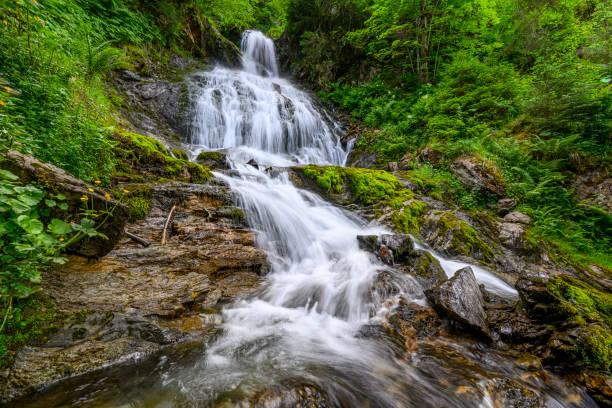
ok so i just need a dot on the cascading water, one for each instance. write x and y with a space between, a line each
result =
310 321
257 115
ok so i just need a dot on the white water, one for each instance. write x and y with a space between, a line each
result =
306 323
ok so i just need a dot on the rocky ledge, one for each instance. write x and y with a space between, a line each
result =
137 300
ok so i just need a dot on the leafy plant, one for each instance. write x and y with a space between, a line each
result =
30 242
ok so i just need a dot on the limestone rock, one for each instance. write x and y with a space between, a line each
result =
58 181
460 298
477 175
517 217
505 205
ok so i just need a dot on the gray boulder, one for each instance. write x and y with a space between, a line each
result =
505 205
517 217
477 175
460 298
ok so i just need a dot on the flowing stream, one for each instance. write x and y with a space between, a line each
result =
310 321
319 317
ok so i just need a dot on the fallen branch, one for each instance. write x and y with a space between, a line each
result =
163 241
136 238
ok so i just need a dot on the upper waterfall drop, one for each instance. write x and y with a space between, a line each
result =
257 115
258 54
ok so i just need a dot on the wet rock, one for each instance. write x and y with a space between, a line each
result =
134 301
58 181
390 248
478 175
392 167
510 393
213 160
426 268
460 298
412 321
599 386
453 236
289 396
505 205
518 218
430 156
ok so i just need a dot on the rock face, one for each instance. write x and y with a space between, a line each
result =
461 299
595 188
137 300
430 156
58 181
476 175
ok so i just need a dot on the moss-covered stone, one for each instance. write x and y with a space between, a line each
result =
146 157
464 239
585 306
179 154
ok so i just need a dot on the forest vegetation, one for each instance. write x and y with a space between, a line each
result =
525 86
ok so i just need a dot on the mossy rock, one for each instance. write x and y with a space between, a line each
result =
148 158
453 236
213 160
179 154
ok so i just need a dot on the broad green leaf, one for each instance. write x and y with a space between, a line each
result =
30 225
50 203
59 227
7 175
63 206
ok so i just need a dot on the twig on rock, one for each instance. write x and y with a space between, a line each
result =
136 238
163 241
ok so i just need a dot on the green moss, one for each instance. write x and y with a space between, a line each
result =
407 218
372 187
147 157
329 178
179 154
586 306
139 208
365 185
32 321
422 265
577 299
205 156
596 348
465 239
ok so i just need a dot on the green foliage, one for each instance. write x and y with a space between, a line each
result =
29 242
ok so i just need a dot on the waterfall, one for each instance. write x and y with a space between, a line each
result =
257 115
309 322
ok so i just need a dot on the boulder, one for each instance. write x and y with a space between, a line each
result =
430 156
517 217
460 298
505 205
58 181
213 160
392 167
390 248
512 235
475 174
